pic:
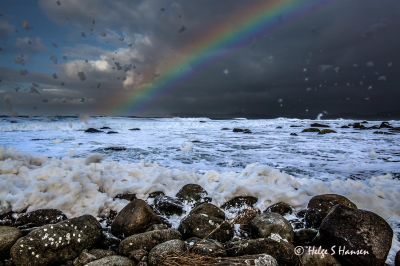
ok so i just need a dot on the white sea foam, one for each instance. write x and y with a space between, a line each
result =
76 187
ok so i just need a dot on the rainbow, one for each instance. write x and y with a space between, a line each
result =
227 37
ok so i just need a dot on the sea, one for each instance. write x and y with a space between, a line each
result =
52 162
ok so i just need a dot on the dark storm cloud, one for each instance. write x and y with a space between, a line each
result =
340 58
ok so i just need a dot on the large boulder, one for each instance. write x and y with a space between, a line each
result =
193 193
281 250
353 230
160 252
204 226
57 243
208 209
397 259
114 260
270 223
8 236
304 236
134 218
319 206
147 240
40 217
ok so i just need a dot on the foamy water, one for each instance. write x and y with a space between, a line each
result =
169 153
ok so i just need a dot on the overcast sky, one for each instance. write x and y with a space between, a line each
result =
68 57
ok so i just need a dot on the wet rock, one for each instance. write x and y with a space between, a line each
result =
382 133
115 148
237 130
281 250
385 125
193 193
134 129
8 236
304 236
112 261
358 126
126 196
57 243
240 202
40 217
269 223
93 130
209 209
206 247
313 258
7 219
134 218
244 218
225 128
344 127
104 128
204 226
154 194
327 131
160 252
168 205
319 206
293 134
353 230
281 207
318 125
311 130
112 132
397 259
147 240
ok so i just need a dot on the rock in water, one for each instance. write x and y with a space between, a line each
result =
41 217
209 209
270 223
356 230
160 252
112 261
193 193
93 130
318 125
281 207
240 202
168 205
134 218
58 243
312 129
147 240
8 236
319 206
397 259
327 131
204 226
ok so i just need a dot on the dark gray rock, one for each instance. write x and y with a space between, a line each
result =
319 206
281 250
155 227
147 240
204 226
269 223
8 236
168 206
311 130
209 209
57 243
355 229
112 132
40 217
139 256
240 202
193 193
326 131
134 218
319 125
112 261
281 207
126 196
397 259
160 252
93 130
92 255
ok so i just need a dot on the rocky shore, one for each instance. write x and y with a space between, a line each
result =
330 231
